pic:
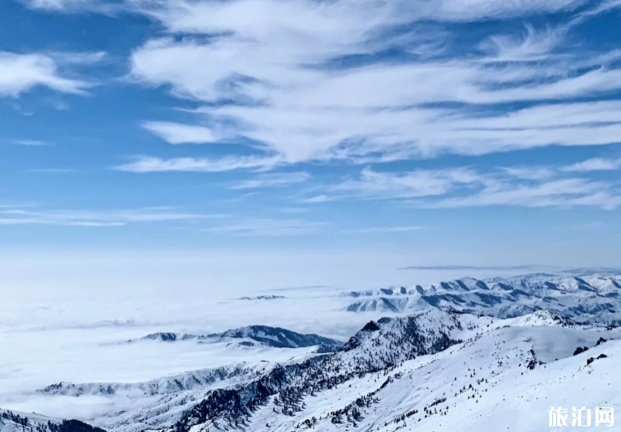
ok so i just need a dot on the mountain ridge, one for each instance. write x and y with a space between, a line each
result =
276 337
594 298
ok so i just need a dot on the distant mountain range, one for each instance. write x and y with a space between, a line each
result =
264 297
588 298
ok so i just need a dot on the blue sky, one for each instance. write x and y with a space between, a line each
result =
480 132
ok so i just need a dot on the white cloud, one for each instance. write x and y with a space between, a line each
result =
530 173
534 46
70 6
146 164
26 216
482 9
451 10
29 142
261 17
270 57
272 180
267 227
56 4
176 133
595 164
316 199
22 72
79 58
379 230
422 183
556 193
465 187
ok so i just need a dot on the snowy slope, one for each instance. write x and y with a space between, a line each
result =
11 421
153 404
282 398
431 371
503 371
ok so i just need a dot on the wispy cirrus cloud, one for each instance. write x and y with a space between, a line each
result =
571 192
73 6
317 199
530 172
290 86
12 215
22 72
414 184
266 227
176 133
79 58
308 80
272 180
467 187
383 230
148 164
57 4
29 142
311 82
594 164
420 9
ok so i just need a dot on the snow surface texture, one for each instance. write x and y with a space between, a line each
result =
428 368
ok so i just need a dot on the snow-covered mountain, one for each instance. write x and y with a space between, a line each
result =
436 370
334 392
270 336
157 402
200 379
589 298
465 355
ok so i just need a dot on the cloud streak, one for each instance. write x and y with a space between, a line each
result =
383 230
272 180
81 218
149 164
572 192
414 184
29 143
74 6
261 227
20 73
465 187
527 267
595 164
176 133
